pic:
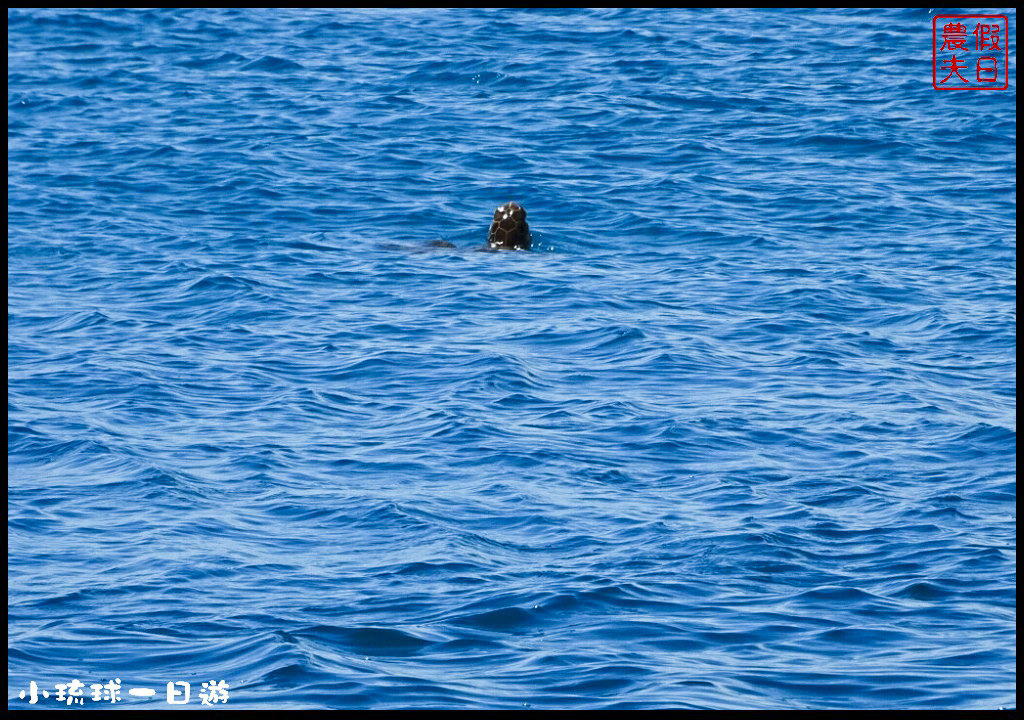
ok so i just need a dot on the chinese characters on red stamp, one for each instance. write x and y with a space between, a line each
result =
970 52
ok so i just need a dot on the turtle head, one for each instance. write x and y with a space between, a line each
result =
509 229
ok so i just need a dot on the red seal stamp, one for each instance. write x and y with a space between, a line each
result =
970 52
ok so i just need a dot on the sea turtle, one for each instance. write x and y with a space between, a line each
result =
509 230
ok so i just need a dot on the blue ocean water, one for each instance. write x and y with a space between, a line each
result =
738 432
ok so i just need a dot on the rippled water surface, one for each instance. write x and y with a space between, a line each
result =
738 432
